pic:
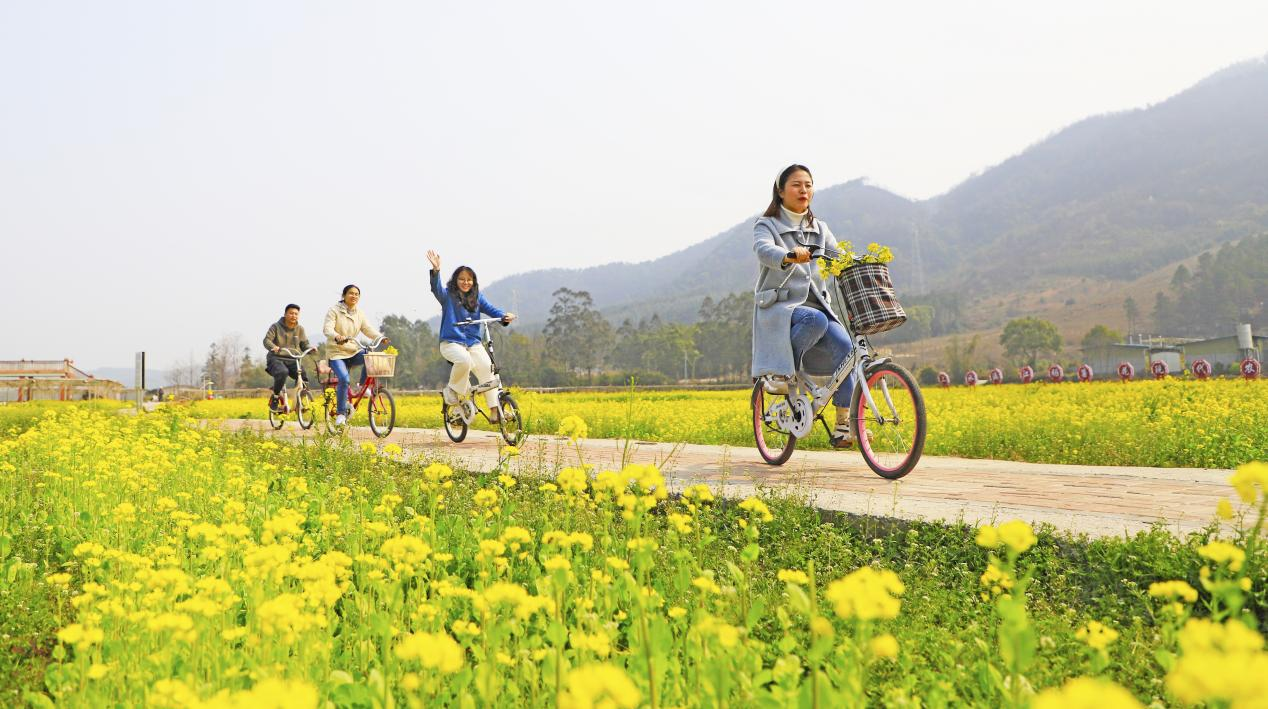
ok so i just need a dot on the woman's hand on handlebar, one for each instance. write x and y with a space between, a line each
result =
799 254
506 319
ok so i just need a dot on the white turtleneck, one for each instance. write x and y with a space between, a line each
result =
793 218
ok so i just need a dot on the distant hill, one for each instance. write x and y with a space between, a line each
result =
127 375
1112 197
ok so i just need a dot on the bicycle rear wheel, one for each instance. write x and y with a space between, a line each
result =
382 413
898 434
774 445
455 427
509 420
305 409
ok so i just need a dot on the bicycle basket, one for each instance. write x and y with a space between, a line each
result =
380 365
869 297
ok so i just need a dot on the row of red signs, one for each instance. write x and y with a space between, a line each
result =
1201 368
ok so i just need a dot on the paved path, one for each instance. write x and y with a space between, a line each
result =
1096 500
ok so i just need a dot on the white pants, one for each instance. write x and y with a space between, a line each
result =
465 361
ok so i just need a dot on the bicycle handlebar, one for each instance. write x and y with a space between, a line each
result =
482 321
372 345
290 352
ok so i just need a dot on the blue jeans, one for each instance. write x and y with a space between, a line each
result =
812 328
340 368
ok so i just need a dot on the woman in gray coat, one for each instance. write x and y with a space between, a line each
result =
794 327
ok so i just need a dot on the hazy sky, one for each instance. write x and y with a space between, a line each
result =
170 172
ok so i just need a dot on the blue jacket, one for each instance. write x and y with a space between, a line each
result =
451 311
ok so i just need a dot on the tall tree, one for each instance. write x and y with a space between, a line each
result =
1101 336
1132 311
576 334
1024 339
417 351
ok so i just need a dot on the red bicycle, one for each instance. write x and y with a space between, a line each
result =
382 407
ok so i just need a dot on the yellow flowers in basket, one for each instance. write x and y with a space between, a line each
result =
846 257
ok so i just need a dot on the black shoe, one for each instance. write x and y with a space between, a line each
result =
275 404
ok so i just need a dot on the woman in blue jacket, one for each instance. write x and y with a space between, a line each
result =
461 299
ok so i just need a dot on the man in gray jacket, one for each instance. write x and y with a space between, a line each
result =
285 333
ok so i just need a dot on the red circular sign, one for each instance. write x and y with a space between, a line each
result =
1250 368
997 376
944 379
1056 373
1126 371
1027 374
1085 372
1159 368
1201 368
970 378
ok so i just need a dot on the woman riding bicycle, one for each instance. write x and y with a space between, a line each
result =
460 299
343 322
794 327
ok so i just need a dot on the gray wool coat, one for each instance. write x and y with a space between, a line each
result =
772 325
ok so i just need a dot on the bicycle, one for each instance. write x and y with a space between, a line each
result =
382 406
304 404
458 417
890 433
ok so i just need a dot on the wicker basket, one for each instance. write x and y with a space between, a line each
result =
380 365
869 297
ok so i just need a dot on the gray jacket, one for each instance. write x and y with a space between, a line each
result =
782 287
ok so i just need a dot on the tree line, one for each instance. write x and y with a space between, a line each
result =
577 346
1229 286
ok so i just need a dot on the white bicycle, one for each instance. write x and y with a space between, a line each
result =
887 410
458 417
304 409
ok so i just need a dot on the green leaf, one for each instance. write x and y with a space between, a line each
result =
798 598
755 613
557 634
39 699
338 677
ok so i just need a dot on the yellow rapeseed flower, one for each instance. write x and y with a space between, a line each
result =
1097 635
794 576
1224 553
1173 590
866 594
434 651
1017 535
1086 693
597 686
884 646
573 427
1249 481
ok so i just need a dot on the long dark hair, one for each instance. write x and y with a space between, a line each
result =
776 202
471 299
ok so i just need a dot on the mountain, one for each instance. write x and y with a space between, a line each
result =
1115 197
127 375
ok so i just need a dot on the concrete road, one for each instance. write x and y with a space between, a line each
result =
1096 500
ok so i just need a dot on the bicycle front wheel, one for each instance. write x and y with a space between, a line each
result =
892 437
455 427
509 420
382 413
305 409
276 419
773 444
